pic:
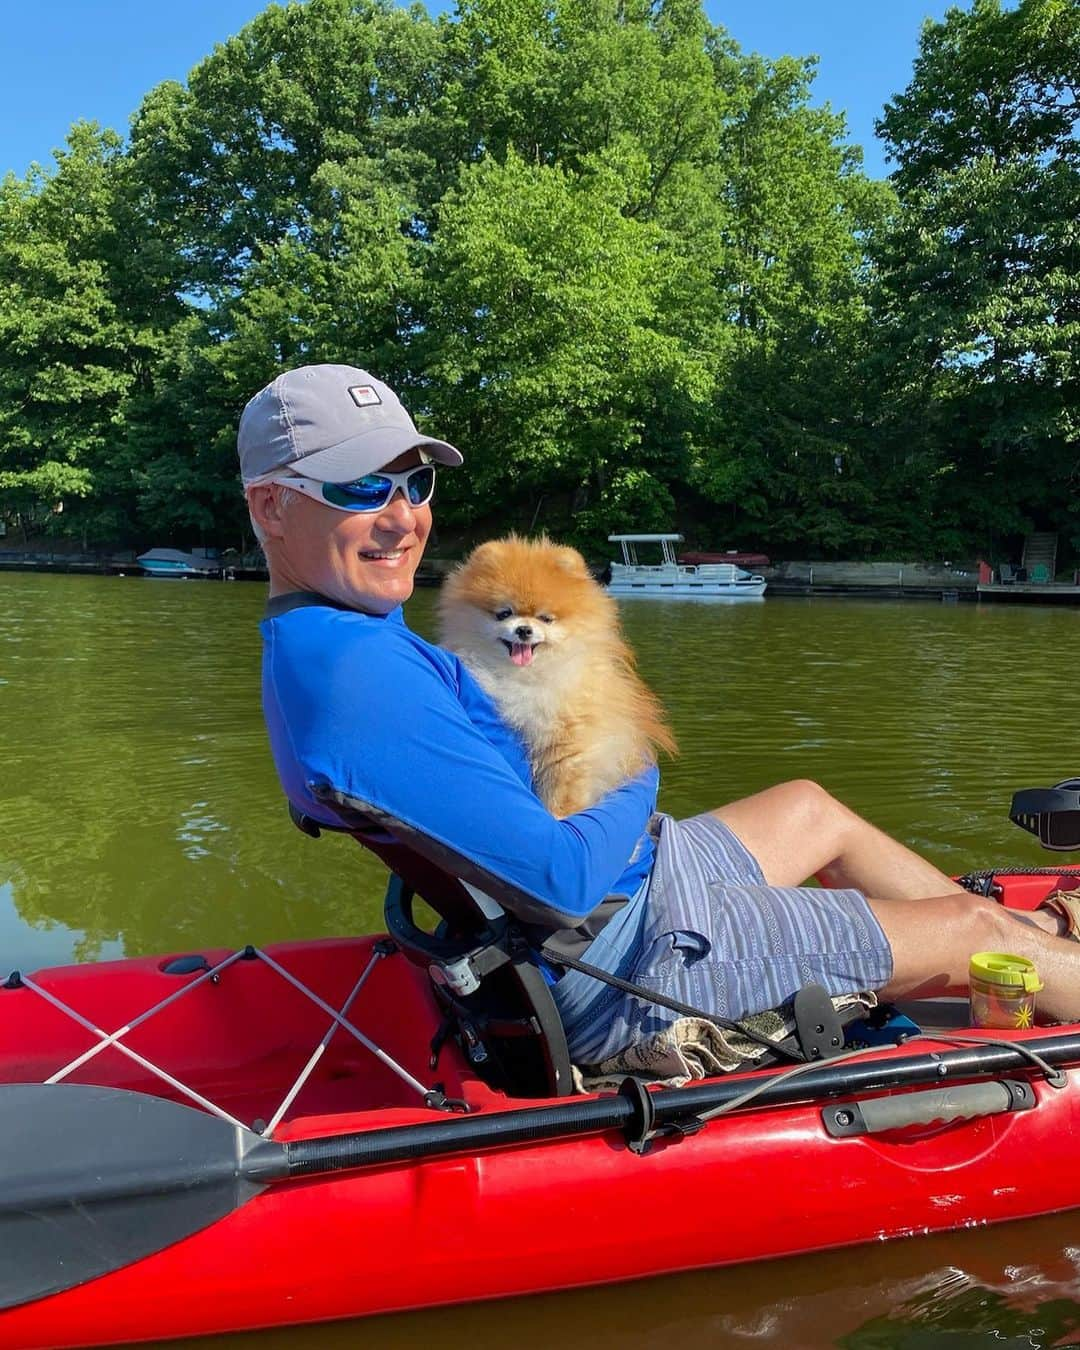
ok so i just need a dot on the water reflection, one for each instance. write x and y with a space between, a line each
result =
26 948
140 806
937 1293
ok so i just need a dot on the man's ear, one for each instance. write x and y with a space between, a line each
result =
264 503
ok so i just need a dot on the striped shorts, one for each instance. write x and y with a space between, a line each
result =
716 936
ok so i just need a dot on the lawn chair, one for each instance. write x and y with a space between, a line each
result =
1006 575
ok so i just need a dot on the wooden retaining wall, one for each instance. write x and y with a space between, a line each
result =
892 578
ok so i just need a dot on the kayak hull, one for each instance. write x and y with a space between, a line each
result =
540 1216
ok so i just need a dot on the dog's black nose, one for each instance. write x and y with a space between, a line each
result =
523 631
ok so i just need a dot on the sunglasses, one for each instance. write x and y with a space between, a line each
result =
370 493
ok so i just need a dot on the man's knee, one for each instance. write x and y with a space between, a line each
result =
984 923
816 808
933 940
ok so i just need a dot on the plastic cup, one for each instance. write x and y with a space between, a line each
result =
1003 989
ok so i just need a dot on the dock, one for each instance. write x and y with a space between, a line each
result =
11 561
1044 592
913 581
109 565
1033 580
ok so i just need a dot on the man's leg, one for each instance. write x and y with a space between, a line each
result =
932 958
797 830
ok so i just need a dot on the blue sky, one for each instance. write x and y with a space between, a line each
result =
70 59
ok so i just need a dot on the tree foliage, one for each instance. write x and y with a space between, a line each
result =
65 371
635 272
979 268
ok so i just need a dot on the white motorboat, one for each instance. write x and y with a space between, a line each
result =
172 562
671 578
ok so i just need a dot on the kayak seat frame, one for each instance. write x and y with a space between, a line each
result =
495 1001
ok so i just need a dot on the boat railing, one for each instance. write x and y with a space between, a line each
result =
659 568
724 573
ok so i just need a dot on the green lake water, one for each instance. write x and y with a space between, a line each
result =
140 813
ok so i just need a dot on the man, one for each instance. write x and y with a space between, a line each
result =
712 911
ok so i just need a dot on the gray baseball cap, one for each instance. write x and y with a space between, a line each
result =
333 423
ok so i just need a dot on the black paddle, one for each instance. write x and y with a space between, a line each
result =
95 1178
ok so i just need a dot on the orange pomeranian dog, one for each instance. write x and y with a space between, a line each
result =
543 638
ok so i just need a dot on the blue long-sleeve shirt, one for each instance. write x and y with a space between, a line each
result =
362 705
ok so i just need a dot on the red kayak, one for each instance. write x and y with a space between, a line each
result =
219 1141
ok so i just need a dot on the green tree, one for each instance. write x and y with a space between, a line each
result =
624 263
282 178
64 343
544 346
783 453
241 159
979 269
561 331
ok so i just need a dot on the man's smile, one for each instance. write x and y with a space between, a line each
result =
387 555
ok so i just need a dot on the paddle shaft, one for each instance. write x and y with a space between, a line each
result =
257 1162
306 1157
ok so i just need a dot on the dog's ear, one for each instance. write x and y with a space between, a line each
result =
485 552
570 560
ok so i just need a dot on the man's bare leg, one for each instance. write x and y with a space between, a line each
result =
932 959
798 830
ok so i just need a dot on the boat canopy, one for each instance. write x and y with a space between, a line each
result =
644 538
165 560
667 544
167 555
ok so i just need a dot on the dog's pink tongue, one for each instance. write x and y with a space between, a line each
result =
521 653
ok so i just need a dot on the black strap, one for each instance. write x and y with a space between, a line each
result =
662 1000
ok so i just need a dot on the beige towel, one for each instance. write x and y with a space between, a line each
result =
694 1048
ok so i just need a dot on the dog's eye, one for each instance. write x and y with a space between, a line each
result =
546 618
503 613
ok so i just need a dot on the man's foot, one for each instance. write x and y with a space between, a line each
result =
1065 905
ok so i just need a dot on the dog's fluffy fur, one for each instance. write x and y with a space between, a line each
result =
543 638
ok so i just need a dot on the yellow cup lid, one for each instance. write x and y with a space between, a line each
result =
1005 969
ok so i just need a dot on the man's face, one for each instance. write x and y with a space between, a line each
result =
363 559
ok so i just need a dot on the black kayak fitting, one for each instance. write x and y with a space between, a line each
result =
1051 814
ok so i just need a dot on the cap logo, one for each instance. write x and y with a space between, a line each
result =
363 395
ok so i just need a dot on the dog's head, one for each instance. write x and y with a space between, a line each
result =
518 601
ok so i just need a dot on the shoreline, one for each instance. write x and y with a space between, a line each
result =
880 581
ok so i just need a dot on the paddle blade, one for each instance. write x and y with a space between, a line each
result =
92 1179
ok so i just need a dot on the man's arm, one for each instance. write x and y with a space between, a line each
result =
373 717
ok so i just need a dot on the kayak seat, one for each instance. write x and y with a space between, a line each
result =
496 1003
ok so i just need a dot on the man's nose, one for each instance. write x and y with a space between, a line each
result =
398 513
